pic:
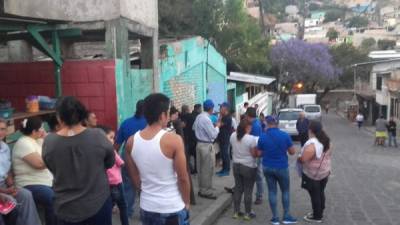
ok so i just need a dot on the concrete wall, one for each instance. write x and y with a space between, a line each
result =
141 11
93 82
130 89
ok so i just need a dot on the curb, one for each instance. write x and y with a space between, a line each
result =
211 214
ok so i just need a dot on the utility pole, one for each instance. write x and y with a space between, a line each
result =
262 22
303 9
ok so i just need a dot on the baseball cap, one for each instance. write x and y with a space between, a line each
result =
225 104
208 104
271 120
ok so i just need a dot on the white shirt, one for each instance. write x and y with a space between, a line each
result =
241 150
360 118
24 173
234 123
319 148
5 161
243 111
160 191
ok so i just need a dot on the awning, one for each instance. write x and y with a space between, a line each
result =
250 78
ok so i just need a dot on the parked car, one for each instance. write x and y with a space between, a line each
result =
288 119
313 112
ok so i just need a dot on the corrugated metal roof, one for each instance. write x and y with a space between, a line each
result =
250 78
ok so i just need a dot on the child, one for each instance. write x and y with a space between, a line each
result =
115 180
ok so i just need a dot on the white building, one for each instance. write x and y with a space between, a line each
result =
385 81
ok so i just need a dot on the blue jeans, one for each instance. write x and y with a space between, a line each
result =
178 218
43 196
259 180
392 139
226 159
129 189
118 198
281 177
102 217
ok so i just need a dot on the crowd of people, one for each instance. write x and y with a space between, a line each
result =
80 172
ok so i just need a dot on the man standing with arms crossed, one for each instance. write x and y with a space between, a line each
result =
206 134
156 163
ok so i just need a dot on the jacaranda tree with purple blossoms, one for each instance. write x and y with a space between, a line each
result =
298 61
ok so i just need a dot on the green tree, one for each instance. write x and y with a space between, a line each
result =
332 34
208 16
386 44
368 44
225 24
241 40
344 56
334 14
358 21
172 23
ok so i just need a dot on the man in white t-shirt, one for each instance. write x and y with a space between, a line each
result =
360 120
244 109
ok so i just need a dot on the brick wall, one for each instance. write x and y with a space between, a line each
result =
186 88
93 82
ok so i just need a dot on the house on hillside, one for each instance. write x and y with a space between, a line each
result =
253 8
318 15
286 31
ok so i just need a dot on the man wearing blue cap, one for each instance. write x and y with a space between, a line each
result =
274 146
223 139
206 134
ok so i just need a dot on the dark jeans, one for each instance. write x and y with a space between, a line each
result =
392 139
102 217
245 178
10 218
43 196
226 160
316 190
303 138
359 124
118 198
129 190
281 177
178 218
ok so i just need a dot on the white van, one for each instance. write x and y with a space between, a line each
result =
288 119
313 112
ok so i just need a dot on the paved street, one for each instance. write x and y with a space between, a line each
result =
364 187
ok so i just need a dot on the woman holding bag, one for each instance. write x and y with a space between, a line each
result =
316 162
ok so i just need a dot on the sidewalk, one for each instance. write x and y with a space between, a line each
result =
206 211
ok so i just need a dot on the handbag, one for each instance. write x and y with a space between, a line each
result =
307 182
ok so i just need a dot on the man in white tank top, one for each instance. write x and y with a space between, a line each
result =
156 163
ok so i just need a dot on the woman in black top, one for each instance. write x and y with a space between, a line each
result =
78 158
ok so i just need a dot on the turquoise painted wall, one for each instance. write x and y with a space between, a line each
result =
186 77
131 88
240 90
183 65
